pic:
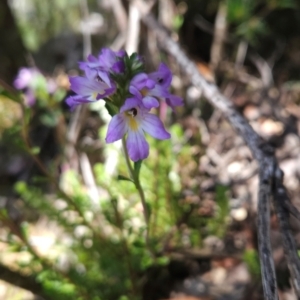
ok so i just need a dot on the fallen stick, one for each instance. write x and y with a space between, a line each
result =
270 175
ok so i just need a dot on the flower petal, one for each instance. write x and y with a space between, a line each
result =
23 79
163 76
150 102
107 92
105 77
141 81
76 100
107 58
116 129
130 103
92 63
154 126
159 91
29 98
120 53
173 101
91 74
85 87
135 92
118 67
137 145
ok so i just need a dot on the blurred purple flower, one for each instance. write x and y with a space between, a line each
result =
51 86
134 119
25 81
24 78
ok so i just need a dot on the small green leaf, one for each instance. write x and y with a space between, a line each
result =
24 229
134 56
112 110
35 150
49 119
121 177
177 22
163 260
3 213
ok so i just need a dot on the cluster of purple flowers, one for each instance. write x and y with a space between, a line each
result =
128 91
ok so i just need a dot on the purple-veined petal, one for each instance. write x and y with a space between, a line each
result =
120 53
141 81
150 84
81 99
159 91
130 103
107 58
137 145
82 65
71 103
92 63
85 87
118 67
150 102
135 92
163 76
174 100
105 77
107 92
154 126
91 74
116 129
92 59
166 73
76 100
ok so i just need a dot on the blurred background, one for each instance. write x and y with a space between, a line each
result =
70 228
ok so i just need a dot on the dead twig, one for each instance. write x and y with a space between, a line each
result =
265 251
291 254
219 36
262 152
133 29
122 23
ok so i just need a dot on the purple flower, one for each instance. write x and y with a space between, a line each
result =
134 119
155 85
28 80
111 61
141 86
107 61
29 98
162 77
97 84
90 88
24 78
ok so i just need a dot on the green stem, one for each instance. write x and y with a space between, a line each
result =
137 183
126 251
